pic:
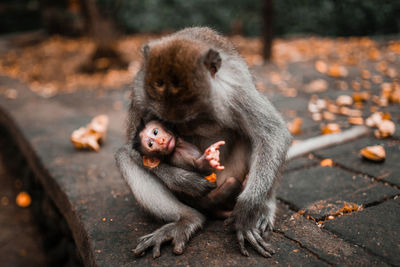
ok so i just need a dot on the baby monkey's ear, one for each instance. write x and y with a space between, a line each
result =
212 61
145 50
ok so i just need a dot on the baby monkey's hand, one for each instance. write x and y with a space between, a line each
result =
212 155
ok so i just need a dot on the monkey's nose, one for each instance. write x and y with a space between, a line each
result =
160 141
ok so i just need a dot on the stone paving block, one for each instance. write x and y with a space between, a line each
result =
349 157
96 202
322 190
298 163
326 245
375 228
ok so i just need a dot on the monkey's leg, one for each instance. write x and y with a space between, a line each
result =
224 196
255 208
219 202
155 198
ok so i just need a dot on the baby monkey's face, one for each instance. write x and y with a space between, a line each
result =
155 139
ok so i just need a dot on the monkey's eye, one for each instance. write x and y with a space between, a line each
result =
155 132
159 83
151 143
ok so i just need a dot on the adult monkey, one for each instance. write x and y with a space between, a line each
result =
195 80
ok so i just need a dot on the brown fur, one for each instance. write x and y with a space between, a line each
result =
174 65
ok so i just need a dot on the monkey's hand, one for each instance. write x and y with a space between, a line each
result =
212 155
252 224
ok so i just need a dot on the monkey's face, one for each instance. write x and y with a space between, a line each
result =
176 80
156 140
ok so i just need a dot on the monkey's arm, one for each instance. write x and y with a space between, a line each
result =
189 157
176 178
153 196
324 141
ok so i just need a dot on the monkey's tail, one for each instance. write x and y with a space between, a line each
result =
324 141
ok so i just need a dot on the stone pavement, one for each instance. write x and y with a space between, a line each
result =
105 220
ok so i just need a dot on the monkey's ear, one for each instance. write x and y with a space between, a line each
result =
212 61
145 50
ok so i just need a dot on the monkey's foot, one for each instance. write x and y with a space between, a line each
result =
179 232
254 226
256 239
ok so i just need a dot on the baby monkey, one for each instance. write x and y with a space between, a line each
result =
154 140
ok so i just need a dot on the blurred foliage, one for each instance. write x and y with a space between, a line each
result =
323 17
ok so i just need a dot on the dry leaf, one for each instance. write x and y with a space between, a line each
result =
374 109
374 120
355 85
381 66
321 66
358 105
23 199
326 163
150 162
275 77
356 120
316 86
344 100
289 92
377 79
295 126
342 85
386 128
361 96
316 116
330 128
374 54
374 153
333 108
366 84
347 208
11 93
395 97
391 72
380 101
387 116
365 74
337 71
350 112
260 86
329 116
92 135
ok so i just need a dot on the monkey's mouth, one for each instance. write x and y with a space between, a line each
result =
170 145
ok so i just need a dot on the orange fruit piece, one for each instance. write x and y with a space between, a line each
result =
23 199
211 178
150 162
326 163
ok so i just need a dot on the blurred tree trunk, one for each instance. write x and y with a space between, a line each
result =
105 36
268 12
62 17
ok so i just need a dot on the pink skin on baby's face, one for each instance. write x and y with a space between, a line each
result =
154 138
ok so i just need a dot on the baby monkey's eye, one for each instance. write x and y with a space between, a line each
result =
151 143
155 132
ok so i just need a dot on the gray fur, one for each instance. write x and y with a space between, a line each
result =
238 113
